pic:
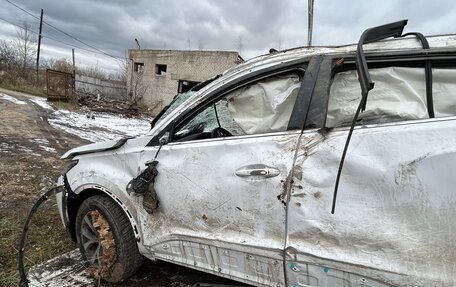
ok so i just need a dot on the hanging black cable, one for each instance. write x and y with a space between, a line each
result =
370 35
22 274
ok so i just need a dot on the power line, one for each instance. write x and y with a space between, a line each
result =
19 26
48 37
51 38
82 42
22 9
71 45
65 33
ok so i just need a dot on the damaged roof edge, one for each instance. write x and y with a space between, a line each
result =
435 41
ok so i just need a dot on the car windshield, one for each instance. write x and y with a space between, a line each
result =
177 101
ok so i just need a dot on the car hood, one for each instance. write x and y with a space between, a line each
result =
95 147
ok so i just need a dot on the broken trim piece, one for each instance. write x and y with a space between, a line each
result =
370 35
118 144
143 185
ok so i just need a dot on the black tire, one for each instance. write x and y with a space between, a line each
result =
127 259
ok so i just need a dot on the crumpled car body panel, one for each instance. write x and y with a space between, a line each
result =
257 207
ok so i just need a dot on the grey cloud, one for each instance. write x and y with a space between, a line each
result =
218 25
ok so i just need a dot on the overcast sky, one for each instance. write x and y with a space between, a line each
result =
252 25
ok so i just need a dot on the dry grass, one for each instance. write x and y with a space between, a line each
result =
70 106
21 182
47 239
28 89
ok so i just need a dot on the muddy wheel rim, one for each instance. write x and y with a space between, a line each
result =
90 241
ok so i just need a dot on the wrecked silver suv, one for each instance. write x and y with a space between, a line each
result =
286 171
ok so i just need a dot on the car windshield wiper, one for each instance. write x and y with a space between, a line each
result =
370 35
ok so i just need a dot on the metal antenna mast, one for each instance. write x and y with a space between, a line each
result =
310 9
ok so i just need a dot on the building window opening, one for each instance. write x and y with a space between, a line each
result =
185 86
160 69
139 67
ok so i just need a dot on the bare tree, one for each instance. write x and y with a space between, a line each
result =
8 62
26 46
63 65
122 75
47 63
8 55
139 88
93 71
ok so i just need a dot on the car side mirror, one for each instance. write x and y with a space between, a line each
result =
164 139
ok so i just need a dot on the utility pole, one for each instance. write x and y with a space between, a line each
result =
310 22
39 45
74 65
74 73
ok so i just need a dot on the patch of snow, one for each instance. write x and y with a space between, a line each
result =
26 150
44 144
4 147
11 99
40 141
48 149
65 270
101 128
16 148
42 102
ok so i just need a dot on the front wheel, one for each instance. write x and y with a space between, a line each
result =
106 239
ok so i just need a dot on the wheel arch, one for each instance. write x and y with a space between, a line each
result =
74 201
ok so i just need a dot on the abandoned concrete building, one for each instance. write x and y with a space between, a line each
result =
156 76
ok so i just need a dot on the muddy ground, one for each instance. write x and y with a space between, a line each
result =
29 165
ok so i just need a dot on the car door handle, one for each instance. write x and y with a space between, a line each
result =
257 170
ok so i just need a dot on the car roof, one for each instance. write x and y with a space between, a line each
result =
396 44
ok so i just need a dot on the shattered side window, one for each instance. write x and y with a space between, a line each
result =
399 94
261 107
202 125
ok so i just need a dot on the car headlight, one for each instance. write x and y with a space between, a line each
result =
69 165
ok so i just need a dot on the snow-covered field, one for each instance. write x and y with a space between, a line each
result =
100 127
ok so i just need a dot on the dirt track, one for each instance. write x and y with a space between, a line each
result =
28 144
29 164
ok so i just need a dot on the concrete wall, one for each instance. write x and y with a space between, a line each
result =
92 85
156 91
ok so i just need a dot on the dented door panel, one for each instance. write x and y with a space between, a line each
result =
204 203
394 221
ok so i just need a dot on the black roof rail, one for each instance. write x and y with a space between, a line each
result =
370 35
428 72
